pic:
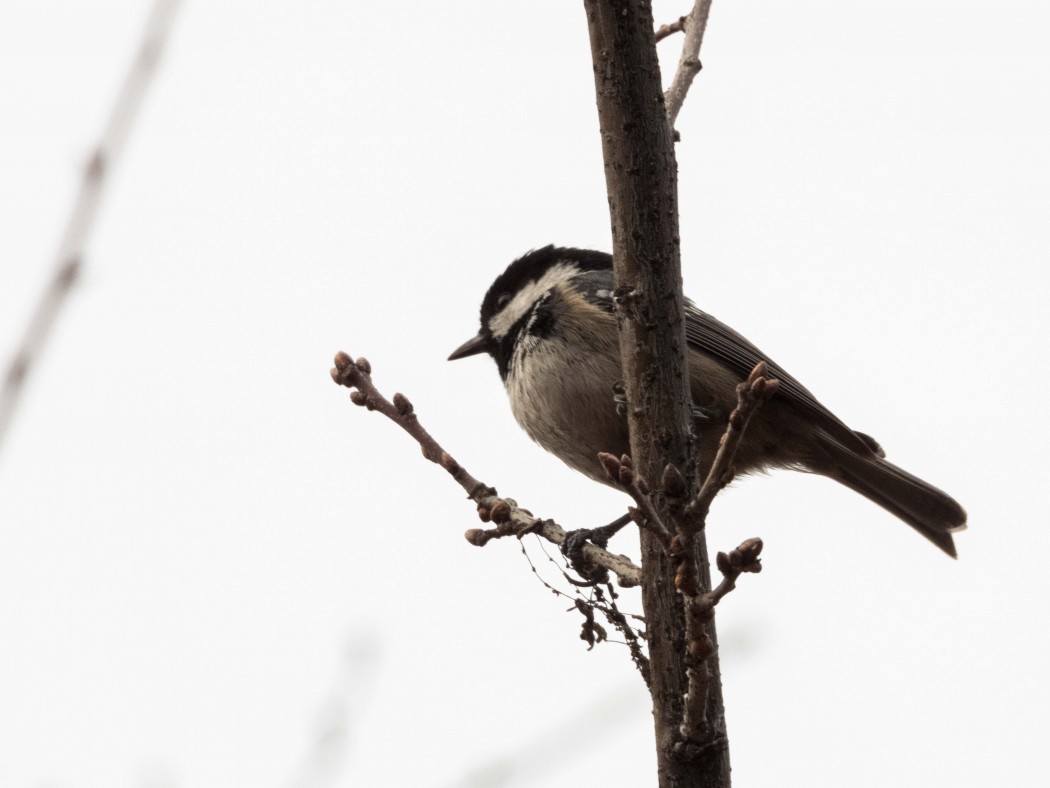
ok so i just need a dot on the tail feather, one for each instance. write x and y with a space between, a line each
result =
931 512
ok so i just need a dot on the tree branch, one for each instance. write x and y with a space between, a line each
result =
85 209
668 30
691 577
621 473
750 395
509 518
689 61
641 184
695 728
607 607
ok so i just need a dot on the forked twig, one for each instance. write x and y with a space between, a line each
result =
750 395
699 611
509 518
745 558
621 473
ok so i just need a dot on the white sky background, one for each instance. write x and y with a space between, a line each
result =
207 554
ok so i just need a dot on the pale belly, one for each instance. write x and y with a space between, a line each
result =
569 408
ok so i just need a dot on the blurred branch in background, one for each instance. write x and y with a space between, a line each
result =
69 256
538 760
340 714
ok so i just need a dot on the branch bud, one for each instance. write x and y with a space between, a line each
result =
750 549
673 483
686 579
477 537
364 366
722 561
500 513
343 369
360 398
745 558
701 648
677 547
404 407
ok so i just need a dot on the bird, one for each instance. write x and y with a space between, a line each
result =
549 323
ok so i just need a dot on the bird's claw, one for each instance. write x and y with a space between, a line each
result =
572 548
713 413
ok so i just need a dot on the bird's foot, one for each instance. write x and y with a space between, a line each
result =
620 398
713 413
572 548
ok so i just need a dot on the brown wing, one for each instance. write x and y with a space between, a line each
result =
714 338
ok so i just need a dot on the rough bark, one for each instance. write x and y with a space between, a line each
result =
641 178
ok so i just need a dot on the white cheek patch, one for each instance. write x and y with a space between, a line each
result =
519 306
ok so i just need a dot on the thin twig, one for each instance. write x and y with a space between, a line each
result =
510 519
745 558
750 395
85 209
619 620
665 31
699 611
700 606
609 609
689 61
622 474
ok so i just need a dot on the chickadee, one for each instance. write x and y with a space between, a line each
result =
548 321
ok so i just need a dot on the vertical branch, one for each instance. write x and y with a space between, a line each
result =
641 180
85 209
693 26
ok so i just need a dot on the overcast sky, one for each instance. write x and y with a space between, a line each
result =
215 571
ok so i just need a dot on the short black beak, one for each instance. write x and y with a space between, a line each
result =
471 347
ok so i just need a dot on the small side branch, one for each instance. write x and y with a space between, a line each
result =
607 607
699 611
508 517
689 65
750 395
668 30
745 558
621 473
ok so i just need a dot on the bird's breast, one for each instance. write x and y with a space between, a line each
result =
563 399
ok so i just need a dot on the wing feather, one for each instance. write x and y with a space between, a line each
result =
712 337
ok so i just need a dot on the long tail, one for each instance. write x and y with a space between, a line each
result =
931 512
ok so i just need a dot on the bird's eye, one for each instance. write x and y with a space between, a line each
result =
502 301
